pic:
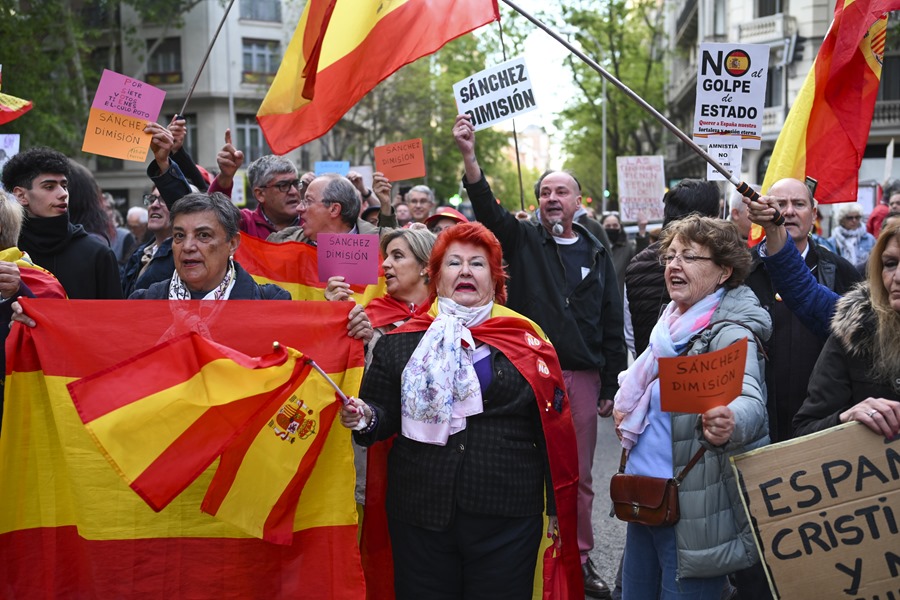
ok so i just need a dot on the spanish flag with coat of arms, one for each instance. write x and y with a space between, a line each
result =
229 441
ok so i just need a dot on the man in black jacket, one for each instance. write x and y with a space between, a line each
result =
85 267
562 278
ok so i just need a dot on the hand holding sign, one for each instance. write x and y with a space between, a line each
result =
718 425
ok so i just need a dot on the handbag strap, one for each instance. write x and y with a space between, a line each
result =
680 477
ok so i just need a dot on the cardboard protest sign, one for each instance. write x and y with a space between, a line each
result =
827 513
731 92
695 384
341 167
727 151
121 109
352 255
642 184
401 160
496 94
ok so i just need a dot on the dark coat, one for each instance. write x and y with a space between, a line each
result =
586 327
161 267
244 289
793 348
496 466
86 268
841 377
645 285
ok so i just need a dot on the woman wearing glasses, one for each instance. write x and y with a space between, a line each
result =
850 238
706 263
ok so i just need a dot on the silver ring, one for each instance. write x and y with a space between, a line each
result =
872 413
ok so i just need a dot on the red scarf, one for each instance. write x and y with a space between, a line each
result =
388 310
526 346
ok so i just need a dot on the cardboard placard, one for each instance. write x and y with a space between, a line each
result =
695 384
341 167
642 184
496 94
731 92
827 513
352 255
121 109
401 160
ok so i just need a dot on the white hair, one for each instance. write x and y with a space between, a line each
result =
737 199
139 211
850 207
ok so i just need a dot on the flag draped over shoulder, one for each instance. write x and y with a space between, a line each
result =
826 131
295 267
69 525
39 280
342 49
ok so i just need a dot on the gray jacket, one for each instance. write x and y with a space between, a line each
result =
714 536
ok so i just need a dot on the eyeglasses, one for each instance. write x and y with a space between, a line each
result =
149 199
306 202
686 259
419 202
285 186
853 217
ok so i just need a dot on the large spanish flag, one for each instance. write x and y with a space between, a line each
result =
828 126
40 281
342 49
70 527
295 267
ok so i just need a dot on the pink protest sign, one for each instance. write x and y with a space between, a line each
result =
351 255
129 97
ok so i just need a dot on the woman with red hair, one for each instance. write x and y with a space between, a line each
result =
475 393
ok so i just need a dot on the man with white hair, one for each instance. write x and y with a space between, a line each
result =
136 221
738 214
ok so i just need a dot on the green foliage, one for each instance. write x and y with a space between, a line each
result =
624 36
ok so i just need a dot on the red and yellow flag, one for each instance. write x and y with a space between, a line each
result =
70 527
295 267
40 281
826 131
353 46
11 108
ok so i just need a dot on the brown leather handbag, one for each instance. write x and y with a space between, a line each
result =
647 500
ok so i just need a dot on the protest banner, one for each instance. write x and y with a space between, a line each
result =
354 256
496 94
642 184
731 92
341 167
121 109
695 384
401 160
728 152
826 509
9 147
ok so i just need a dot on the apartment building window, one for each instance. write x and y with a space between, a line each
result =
767 8
889 89
774 86
164 65
261 10
261 60
720 27
249 138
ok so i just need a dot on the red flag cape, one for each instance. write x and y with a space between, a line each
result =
526 346
39 280
70 527
342 49
387 310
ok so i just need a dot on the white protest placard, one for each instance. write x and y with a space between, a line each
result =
727 151
642 183
496 94
731 92
826 508
9 147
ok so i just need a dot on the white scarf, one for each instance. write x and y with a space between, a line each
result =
847 242
179 291
439 387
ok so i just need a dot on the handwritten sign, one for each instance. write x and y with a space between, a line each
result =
728 152
826 508
401 160
341 167
731 92
695 384
496 94
642 184
121 109
351 255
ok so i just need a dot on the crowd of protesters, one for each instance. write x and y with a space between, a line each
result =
501 340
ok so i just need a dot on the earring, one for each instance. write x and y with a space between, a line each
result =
421 273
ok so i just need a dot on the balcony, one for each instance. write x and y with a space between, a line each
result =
767 29
682 80
773 121
886 115
686 23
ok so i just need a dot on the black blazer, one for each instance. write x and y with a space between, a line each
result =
496 466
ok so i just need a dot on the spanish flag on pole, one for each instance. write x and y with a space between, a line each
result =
295 267
70 527
828 126
342 49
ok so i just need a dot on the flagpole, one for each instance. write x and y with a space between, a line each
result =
206 58
341 394
741 186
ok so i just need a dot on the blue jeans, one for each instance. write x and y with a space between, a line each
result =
649 569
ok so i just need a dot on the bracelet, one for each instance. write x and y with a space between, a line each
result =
367 195
372 423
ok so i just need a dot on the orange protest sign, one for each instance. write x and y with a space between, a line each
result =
401 160
695 384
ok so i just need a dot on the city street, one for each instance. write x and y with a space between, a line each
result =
609 532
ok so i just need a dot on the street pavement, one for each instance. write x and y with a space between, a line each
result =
609 532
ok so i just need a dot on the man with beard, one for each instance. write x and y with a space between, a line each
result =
563 278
